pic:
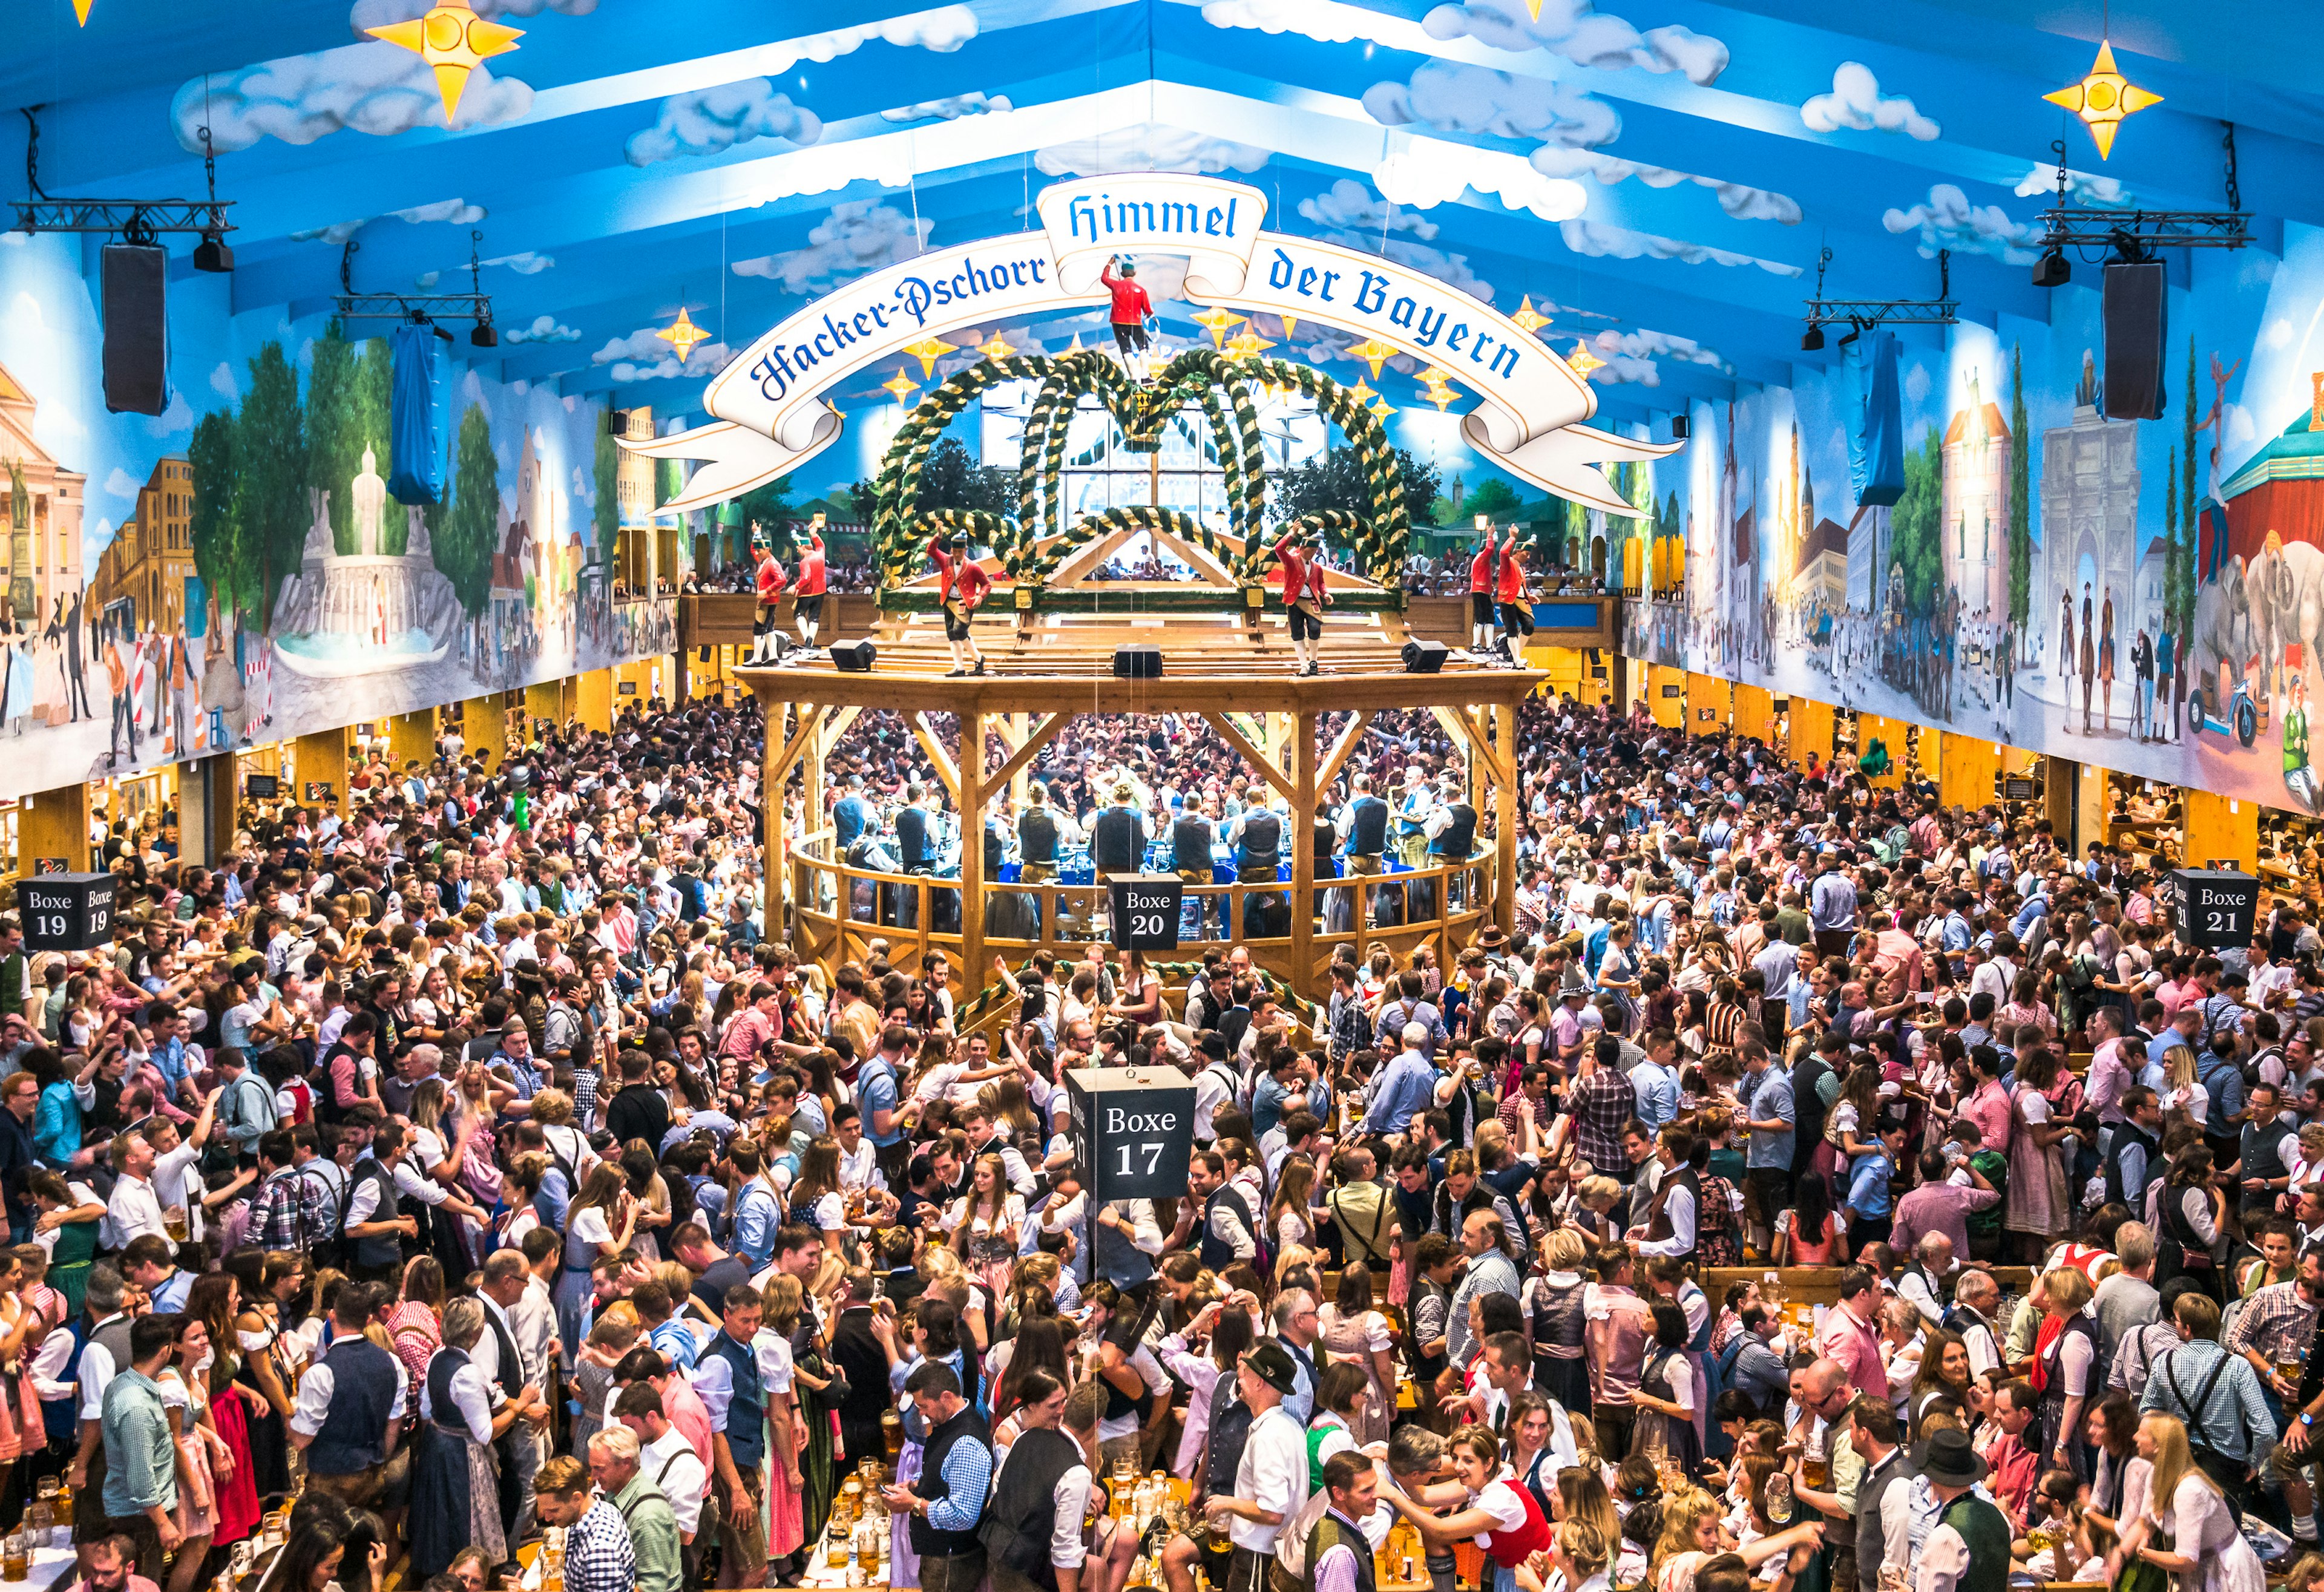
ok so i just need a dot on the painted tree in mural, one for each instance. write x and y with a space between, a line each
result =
347 412
216 528
1334 479
1496 498
469 534
2021 496
605 514
2174 548
271 480
2183 614
1914 525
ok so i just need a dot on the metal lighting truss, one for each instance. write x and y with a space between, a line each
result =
1861 315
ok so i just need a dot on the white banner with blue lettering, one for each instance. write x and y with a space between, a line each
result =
769 419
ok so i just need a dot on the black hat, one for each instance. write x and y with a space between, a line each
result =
1272 1364
1949 1458
1214 1044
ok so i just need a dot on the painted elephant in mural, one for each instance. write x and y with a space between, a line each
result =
2224 630
2287 608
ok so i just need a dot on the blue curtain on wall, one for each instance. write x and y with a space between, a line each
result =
1876 453
418 470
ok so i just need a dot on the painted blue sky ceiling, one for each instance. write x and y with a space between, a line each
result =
1658 176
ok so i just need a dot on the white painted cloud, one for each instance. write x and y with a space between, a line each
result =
1434 171
1463 98
706 360
1947 220
223 383
1647 344
527 263
458 212
706 121
1583 35
121 483
1326 20
373 14
2278 333
950 108
1626 369
1326 344
1452 270
1855 101
1620 243
2104 193
1917 384
1150 146
859 235
1348 206
178 416
545 328
372 87
1739 200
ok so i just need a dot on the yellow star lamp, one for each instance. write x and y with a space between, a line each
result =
1527 317
1215 320
451 38
1440 396
2103 98
1247 344
80 10
1582 361
1362 391
1383 409
1290 324
1373 353
927 350
902 387
996 349
682 334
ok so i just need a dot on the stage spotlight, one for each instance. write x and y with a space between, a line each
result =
2051 270
483 334
1678 427
1812 342
1423 657
211 254
853 657
1138 663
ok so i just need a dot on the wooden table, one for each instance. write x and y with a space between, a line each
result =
1820 1284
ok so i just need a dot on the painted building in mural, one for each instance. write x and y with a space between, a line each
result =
44 508
2089 513
1975 508
147 574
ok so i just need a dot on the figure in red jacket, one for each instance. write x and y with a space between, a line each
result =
1303 598
960 585
770 580
1482 568
1131 308
1515 602
808 589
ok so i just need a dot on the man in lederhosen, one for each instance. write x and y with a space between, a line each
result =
1303 598
960 585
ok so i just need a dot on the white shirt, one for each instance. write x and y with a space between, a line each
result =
670 1462
1273 1475
472 1401
861 1170
714 1378
97 1370
315 1397
176 1181
134 1212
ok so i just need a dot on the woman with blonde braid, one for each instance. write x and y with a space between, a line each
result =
2207 1552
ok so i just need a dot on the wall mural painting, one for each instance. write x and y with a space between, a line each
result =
2144 595
235 572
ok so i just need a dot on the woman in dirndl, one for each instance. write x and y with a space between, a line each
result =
456 1474
216 1298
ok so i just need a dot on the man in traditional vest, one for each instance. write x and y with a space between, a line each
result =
351 1406
1883 1495
1967 1549
1043 1486
1339 1554
1229 1229
1036 837
375 1224
101 1350
500 1358
946 1504
728 1380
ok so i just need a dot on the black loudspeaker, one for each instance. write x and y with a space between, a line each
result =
1423 657
1138 663
2133 304
136 329
1678 427
852 658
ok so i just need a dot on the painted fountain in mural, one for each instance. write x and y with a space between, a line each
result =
371 609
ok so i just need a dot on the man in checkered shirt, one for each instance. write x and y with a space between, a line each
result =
598 1554
291 1209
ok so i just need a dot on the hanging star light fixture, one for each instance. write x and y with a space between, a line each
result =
80 10
1440 396
1362 391
997 349
682 335
1373 353
2103 98
1215 320
1582 361
1248 344
1383 409
1290 323
927 350
453 41
902 387
1527 317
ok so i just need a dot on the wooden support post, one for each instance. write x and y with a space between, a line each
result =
484 726
1234 737
771 798
971 853
54 825
946 775
320 760
1505 827
1012 772
1302 853
411 739
1349 739
818 748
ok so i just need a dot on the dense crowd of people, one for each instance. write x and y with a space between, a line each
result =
479 1164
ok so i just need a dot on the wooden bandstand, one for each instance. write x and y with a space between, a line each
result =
1050 631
